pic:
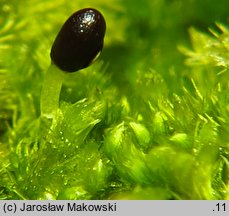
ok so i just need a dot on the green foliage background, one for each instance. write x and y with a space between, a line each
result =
148 120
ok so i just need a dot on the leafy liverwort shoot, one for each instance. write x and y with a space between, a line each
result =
78 43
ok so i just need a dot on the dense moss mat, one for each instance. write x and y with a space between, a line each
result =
148 120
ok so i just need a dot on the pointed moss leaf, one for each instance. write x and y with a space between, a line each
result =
174 168
79 119
159 123
207 49
114 138
182 141
121 148
142 134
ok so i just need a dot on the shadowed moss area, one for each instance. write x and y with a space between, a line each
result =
148 120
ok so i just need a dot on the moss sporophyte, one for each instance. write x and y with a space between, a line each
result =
78 43
147 122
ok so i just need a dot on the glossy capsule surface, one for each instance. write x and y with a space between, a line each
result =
79 40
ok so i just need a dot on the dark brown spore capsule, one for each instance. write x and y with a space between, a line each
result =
79 40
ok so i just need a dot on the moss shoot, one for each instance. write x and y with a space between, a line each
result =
148 120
